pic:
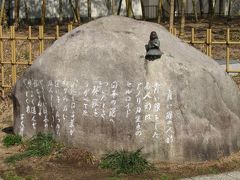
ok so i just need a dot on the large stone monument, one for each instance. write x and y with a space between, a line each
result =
94 89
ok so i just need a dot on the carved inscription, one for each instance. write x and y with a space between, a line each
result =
61 101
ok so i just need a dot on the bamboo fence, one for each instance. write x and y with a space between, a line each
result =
42 38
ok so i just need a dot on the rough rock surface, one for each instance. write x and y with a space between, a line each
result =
93 89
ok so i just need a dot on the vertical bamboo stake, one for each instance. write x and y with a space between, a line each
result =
227 50
207 42
175 31
30 44
57 32
192 36
210 42
13 50
41 40
70 27
1 60
39 37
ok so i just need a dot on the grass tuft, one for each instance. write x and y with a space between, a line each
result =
39 145
11 140
126 162
11 175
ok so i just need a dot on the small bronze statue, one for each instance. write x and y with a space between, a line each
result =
153 47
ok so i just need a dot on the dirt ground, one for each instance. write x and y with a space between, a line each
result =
71 163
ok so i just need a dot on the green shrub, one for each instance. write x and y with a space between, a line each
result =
125 162
10 140
39 145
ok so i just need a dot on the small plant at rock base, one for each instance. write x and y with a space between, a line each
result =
11 175
11 140
39 145
125 162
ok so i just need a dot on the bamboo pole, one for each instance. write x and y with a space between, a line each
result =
175 31
30 44
13 54
70 27
227 50
192 36
41 39
1 61
57 31
210 42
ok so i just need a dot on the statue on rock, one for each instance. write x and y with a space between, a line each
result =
153 47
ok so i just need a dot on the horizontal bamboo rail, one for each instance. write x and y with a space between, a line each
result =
209 43
41 38
13 62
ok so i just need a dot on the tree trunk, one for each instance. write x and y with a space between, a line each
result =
73 11
129 8
77 11
210 13
89 9
176 7
9 12
26 11
182 24
229 9
2 12
163 14
43 12
119 7
113 7
210 9
195 10
159 11
109 6
171 18
201 7
60 11
221 7
143 10
16 12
